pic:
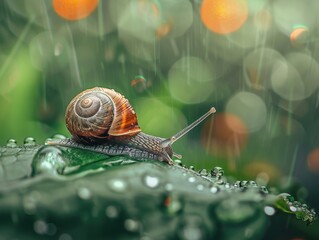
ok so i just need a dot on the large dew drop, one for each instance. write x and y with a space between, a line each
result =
48 160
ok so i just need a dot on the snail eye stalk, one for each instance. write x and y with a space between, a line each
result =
169 141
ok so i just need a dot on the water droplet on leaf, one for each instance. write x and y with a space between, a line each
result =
84 193
112 211
203 172
178 162
11 143
151 181
217 172
131 225
191 179
47 141
58 137
48 159
169 187
263 189
118 185
29 141
269 210
214 189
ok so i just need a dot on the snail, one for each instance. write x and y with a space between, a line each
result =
103 120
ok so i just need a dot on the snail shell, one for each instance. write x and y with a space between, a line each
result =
98 113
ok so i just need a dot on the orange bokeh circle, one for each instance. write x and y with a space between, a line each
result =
313 160
74 9
298 37
225 135
224 16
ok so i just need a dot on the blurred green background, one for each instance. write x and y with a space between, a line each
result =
255 61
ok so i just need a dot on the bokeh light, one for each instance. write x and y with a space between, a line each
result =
225 135
295 78
223 47
248 37
99 23
191 80
74 9
224 16
250 108
258 66
46 51
157 118
140 84
299 37
313 160
149 21
178 18
262 169
263 19
295 12
298 108
292 127
140 19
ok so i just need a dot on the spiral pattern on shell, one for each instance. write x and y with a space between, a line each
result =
98 113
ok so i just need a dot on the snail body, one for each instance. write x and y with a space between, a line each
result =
140 146
103 120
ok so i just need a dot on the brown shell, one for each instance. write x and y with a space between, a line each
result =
125 120
99 113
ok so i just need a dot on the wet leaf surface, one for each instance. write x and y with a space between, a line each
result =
64 193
